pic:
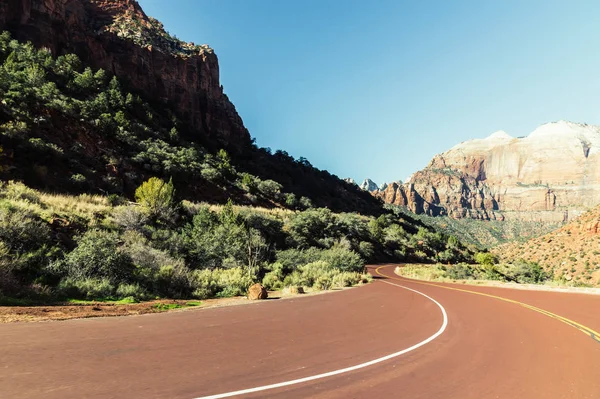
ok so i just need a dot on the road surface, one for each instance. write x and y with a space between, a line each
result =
445 343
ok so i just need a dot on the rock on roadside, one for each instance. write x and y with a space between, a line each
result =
257 291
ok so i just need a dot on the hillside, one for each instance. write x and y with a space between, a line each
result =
105 98
551 175
57 247
483 234
570 253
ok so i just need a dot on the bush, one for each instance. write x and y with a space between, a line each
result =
312 227
486 258
338 258
132 291
346 279
317 274
527 272
130 217
211 238
156 196
18 191
22 231
366 250
174 281
86 288
98 255
221 283
343 259
273 279
269 188
460 271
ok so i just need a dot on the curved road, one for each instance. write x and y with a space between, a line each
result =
502 344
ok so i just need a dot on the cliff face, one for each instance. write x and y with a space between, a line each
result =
118 37
552 174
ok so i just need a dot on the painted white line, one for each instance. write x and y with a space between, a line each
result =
347 369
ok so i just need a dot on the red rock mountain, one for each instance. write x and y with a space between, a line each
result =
118 36
553 174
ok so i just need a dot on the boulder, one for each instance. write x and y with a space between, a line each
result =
257 291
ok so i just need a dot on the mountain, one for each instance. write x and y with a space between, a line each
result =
553 174
120 38
67 126
569 253
369 185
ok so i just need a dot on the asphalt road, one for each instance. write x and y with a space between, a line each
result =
492 346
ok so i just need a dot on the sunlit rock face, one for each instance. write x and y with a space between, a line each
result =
551 174
118 36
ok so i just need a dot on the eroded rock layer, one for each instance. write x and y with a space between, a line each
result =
552 174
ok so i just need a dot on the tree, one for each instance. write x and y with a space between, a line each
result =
156 196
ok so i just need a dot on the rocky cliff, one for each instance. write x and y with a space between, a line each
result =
120 38
552 174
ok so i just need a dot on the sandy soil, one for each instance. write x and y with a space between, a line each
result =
9 314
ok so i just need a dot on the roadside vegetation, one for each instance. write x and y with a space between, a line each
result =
91 247
485 268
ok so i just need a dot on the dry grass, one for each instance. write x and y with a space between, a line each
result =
49 206
421 272
276 212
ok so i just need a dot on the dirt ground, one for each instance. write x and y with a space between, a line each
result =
9 314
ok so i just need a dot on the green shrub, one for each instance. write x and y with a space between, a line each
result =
18 191
527 272
460 271
132 291
174 281
211 238
486 258
98 255
366 250
318 271
221 283
296 279
291 201
337 257
22 231
343 259
346 279
156 195
269 188
86 288
273 280
309 227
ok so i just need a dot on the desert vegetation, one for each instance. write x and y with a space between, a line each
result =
485 268
568 254
484 234
106 247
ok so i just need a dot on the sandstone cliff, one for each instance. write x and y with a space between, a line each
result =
552 174
118 37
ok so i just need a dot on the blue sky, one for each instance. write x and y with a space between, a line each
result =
376 88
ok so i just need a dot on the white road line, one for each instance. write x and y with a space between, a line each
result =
347 369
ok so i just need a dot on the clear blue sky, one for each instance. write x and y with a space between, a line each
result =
376 88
